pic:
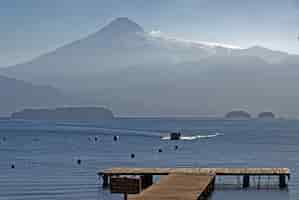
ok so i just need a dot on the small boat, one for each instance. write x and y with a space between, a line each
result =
175 136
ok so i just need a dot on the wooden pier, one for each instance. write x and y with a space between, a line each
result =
196 183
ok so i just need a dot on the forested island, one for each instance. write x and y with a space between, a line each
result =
266 115
65 114
238 114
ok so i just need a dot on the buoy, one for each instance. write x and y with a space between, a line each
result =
12 166
78 161
160 150
132 155
115 138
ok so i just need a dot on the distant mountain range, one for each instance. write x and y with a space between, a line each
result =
136 73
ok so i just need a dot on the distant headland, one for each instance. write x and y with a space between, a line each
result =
65 114
238 114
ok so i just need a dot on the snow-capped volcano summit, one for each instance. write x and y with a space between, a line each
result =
120 44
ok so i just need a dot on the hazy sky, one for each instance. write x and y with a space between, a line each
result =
31 27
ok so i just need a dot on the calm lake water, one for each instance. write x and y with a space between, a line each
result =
45 154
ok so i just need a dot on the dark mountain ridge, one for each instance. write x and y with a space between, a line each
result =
16 94
65 114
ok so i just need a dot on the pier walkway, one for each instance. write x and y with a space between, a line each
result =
177 187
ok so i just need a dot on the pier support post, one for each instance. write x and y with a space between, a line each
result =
282 181
146 181
213 184
246 181
105 181
259 182
204 195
